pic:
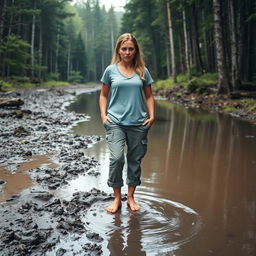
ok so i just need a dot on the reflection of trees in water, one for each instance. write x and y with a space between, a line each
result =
209 162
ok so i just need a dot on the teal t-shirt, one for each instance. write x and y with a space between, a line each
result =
127 105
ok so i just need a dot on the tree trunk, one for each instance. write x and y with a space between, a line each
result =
223 83
57 50
169 16
8 69
33 41
68 64
241 29
195 41
186 44
206 45
40 50
168 59
112 39
235 76
2 17
212 53
182 63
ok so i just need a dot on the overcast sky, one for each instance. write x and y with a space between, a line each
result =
118 4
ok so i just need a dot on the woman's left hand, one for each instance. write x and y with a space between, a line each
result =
149 121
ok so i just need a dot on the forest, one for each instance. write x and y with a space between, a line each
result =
43 40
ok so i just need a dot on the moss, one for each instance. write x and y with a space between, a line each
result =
252 108
249 104
228 109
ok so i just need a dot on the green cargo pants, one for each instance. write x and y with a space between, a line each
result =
135 137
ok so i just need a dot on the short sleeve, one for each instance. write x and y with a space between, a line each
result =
106 76
148 79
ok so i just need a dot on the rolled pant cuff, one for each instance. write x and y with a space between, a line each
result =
133 183
115 185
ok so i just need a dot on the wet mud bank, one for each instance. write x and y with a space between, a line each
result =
210 101
35 221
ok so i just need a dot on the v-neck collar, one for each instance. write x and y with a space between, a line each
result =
128 77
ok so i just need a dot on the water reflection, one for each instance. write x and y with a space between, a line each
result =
162 226
204 161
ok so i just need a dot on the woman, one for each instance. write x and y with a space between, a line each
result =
127 117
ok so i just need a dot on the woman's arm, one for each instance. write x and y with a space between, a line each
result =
103 100
150 104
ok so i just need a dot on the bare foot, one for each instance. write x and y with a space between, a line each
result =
114 207
132 204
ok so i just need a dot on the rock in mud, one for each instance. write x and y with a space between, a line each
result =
20 131
11 102
60 252
92 249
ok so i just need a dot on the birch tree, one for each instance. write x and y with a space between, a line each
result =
186 43
169 17
33 40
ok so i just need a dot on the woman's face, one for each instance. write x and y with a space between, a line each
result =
127 51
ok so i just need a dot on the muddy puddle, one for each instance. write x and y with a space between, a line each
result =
15 182
198 194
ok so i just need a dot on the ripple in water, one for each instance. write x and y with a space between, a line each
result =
161 226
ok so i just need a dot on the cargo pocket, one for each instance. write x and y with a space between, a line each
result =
109 136
144 143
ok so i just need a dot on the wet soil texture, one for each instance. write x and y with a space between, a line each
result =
36 222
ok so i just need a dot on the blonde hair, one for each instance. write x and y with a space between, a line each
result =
138 61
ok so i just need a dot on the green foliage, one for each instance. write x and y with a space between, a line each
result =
253 108
15 54
53 76
19 79
6 86
75 77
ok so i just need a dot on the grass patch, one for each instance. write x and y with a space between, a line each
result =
169 83
54 83
228 109
202 84
249 104
199 84
12 85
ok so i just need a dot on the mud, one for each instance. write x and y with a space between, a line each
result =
35 221
209 101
